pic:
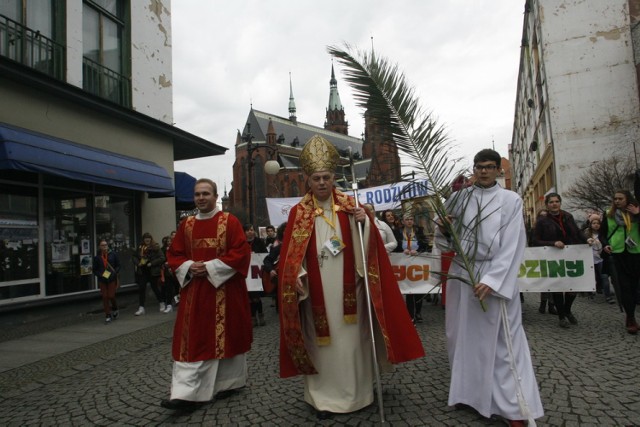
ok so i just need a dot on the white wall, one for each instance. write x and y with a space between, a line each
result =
591 83
151 59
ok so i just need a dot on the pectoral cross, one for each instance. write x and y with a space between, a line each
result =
322 257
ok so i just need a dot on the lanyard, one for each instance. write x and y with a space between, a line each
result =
408 237
320 212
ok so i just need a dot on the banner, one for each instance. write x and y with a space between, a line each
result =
414 273
548 269
254 277
381 197
544 269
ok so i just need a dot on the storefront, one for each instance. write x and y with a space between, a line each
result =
51 223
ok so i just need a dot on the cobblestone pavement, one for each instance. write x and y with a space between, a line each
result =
587 375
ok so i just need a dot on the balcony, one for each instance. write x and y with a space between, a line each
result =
106 83
31 48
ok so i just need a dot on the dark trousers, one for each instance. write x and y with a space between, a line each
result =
627 274
414 304
563 302
108 293
546 296
142 280
256 302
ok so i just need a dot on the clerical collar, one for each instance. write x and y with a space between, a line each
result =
207 215
488 186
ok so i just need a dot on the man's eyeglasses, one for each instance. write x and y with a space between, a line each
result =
485 167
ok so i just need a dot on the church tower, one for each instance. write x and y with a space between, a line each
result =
335 112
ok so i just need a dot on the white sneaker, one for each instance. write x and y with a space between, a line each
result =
169 309
162 307
139 312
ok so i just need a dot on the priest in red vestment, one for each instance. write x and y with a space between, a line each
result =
324 329
213 332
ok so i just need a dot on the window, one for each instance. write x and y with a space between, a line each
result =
103 65
31 33
19 260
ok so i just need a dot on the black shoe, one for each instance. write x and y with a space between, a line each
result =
552 309
179 405
324 415
542 308
226 394
572 319
418 317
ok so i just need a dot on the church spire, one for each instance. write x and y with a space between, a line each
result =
334 96
335 112
292 103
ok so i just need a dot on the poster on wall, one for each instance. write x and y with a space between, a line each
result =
84 246
60 253
86 266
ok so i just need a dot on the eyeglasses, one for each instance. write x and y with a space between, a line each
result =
485 167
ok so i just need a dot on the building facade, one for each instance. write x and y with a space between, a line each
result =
87 143
376 159
577 96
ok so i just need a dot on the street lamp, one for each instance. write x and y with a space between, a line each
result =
271 167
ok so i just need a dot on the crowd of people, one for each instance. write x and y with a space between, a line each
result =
314 271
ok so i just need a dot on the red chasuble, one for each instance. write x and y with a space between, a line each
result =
212 323
401 340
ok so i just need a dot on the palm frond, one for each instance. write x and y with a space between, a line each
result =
383 91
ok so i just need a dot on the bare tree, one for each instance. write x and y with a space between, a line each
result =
595 187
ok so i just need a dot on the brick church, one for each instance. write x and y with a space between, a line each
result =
375 155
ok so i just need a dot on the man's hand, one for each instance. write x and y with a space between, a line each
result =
359 215
481 291
559 244
198 269
607 249
441 225
273 273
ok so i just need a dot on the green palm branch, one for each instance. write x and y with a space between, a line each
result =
382 90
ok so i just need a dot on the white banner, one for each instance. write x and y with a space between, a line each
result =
544 269
381 197
413 273
254 277
548 269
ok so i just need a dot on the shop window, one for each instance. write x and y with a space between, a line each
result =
67 238
114 223
19 259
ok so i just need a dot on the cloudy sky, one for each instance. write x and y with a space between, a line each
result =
460 55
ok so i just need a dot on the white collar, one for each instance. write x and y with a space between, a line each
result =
207 215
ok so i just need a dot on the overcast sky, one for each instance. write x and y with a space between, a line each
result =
461 56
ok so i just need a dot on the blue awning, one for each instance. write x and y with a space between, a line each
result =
184 187
24 150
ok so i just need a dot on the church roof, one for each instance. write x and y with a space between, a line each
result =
293 136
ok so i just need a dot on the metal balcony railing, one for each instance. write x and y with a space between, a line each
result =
106 83
31 48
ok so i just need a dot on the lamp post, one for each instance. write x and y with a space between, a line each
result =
271 167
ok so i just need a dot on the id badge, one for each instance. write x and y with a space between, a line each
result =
143 261
334 245
630 242
106 274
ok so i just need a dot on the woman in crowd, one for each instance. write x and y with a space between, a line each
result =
558 229
387 234
621 239
411 241
601 271
148 260
169 283
389 218
255 297
106 267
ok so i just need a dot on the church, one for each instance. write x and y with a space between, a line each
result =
271 137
